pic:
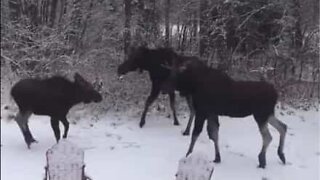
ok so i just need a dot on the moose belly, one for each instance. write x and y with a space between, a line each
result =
43 111
47 108
237 109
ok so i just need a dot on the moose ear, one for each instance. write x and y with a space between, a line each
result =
78 77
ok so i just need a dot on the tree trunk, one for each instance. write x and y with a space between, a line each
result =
127 26
167 24
140 32
297 39
15 9
4 14
53 12
316 10
73 34
154 21
63 9
194 31
203 26
182 41
85 23
45 11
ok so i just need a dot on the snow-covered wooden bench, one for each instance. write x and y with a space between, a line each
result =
195 167
65 161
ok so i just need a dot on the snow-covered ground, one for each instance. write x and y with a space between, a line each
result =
117 149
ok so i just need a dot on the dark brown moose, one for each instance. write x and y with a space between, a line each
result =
53 97
154 61
214 93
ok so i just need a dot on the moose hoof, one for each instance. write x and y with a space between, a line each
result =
282 157
217 159
186 133
189 152
176 123
262 160
29 143
141 124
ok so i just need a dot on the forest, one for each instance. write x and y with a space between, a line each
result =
273 40
88 41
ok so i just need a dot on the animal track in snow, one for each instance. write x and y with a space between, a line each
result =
110 135
130 145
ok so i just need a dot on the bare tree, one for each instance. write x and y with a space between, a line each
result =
203 10
127 26
167 23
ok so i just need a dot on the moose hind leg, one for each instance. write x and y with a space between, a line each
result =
213 133
66 126
266 139
189 102
173 108
199 121
32 140
55 127
282 129
22 121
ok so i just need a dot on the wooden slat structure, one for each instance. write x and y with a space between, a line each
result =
65 161
195 167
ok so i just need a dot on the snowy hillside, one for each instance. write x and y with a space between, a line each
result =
117 149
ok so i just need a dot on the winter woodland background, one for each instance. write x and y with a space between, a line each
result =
272 40
275 40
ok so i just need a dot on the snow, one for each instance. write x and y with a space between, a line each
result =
117 149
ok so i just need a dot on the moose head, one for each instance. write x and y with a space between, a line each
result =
86 90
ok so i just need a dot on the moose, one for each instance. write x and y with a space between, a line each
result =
214 93
53 97
154 61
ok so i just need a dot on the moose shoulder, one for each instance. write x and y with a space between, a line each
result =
53 97
214 93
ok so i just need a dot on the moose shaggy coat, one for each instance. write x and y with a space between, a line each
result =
53 97
214 93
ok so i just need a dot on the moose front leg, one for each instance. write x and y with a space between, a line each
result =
66 126
190 105
173 108
153 96
213 133
199 121
55 127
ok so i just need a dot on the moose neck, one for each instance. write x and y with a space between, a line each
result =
78 94
154 60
